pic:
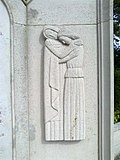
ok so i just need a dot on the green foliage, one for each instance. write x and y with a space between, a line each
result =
117 116
117 62
117 95
117 7
117 17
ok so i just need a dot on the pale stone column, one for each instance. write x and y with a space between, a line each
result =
14 144
5 86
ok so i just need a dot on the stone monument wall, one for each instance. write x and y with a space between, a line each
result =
23 107
68 15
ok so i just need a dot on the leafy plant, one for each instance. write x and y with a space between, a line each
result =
117 59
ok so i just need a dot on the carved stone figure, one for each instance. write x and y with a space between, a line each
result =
53 86
64 85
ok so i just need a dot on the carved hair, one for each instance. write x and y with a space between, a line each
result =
48 28
68 34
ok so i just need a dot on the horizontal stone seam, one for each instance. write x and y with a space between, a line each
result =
92 24
62 24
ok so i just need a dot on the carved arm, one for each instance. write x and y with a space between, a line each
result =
72 55
66 52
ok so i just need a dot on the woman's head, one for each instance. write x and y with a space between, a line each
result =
51 32
67 33
65 36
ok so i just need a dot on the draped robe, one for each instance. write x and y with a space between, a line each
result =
53 92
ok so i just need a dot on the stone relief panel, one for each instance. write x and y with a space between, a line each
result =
5 86
64 95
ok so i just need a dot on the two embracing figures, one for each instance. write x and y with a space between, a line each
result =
64 95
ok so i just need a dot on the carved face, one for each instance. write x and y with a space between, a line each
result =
65 40
50 34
